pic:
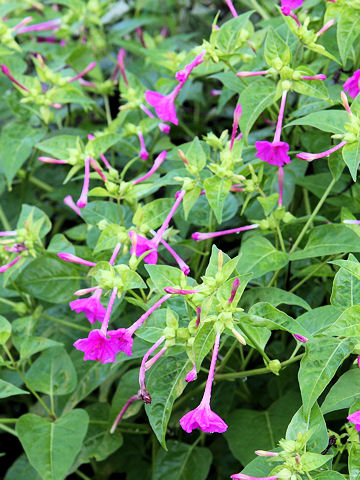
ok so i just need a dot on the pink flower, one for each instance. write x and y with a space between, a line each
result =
301 338
288 5
98 346
355 418
144 245
143 393
234 289
68 200
157 162
120 66
192 375
84 72
251 74
264 453
203 417
182 75
164 128
123 411
6 267
91 306
124 340
8 233
69 257
164 104
143 153
237 116
52 160
352 84
242 476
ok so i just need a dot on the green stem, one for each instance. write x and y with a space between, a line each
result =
107 110
4 219
8 429
274 278
307 202
257 371
305 279
259 9
82 475
228 355
186 129
35 181
8 420
313 215
8 302
65 322
127 166
257 346
280 239
120 212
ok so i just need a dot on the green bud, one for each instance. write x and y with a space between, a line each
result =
183 333
274 366
169 332
20 308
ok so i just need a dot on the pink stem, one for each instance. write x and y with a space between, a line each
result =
154 359
69 257
84 72
68 200
197 236
179 291
320 77
147 111
281 185
326 27
6 71
8 233
198 316
280 117
96 167
86 83
105 323
234 289
22 23
143 317
207 392
106 163
252 74
85 291
121 64
158 161
122 412
231 8
314 156
6 267
51 25
237 116
143 154
183 266
292 15
115 253
82 202
352 222
52 160
143 362
167 220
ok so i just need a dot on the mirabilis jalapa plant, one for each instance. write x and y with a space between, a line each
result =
168 239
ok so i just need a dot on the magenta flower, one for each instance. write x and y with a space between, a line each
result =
203 417
143 153
237 116
352 84
91 306
164 127
82 202
355 418
6 71
132 329
288 5
234 289
192 375
182 75
68 200
301 338
252 74
6 267
69 257
102 156
147 111
242 476
198 236
309 157
123 339
164 104
143 393
274 153
51 25
184 267
97 169
23 22
326 27
98 346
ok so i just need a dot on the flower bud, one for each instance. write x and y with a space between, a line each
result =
274 366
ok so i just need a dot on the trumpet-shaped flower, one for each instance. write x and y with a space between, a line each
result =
92 307
98 346
352 84
288 5
355 418
164 104
242 476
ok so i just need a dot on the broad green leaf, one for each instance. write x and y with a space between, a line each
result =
99 210
254 99
276 49
165 383
228 35
164 276
182 462
351 156
251 430
190 199
348 30
203 342
328 240
52 373
213 268
16 143
259 256
34 215
274 296
51 446
153 213
319 319
100 144
346 288
347 325
352 266
323 357
217 189
330 475
345 391
195 154
127 387
354 462
332 121
314 422
49 279
21 470
8 390
5 330
313 88
58 146
27 346
154 326
312 461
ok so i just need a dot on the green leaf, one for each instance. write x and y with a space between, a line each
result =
195 154
332 121
203 342
346 289
354 462
228 35
182 462
164 276
127 387
328 240
319 319
351 156
49 279
5 330
165 383
276 48
52 373
323 357
153 213
251 430
154 326
343 394
51 447
27 346
312 461
190 199
313 88
259 256
352 266
265 315
21 470
348 30
347 325
99 210
274 296
330 475
217 189
100 144
314 422
254 99
58 146
16 143
29 213
8 390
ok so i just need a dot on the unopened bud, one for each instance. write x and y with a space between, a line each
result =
240 338
264 453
